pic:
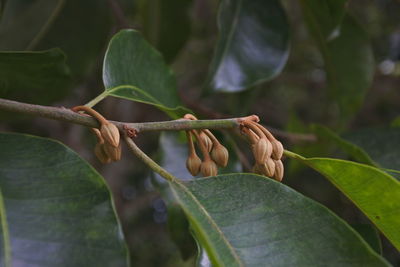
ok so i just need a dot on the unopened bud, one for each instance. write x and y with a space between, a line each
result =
277 150
267 168
206 141
262 150
279 170
208 168
256 169
193 163
110 133
101 154
220 155
114 153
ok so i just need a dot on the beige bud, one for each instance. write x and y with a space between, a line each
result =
262 150
193 163
277 150
267 168
208 168
114 153
220 155
279 170
110 133
101 154
206 140
256 169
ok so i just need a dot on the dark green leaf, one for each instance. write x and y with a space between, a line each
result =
23 20
353 150
250 220
58 208
370 234
348 58
381 144
373 191
253 45
136 71
324 16
35 77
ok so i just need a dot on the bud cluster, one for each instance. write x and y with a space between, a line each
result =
266 149
108 147
214 153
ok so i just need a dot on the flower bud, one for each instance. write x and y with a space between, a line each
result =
101 154
277 150
220 155
110 133
262 150
114 153
279 170
267 168
193 163
206 141
208 168
256 169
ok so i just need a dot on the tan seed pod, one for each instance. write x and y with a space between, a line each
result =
208 168
220 155
262 150
279 170
114 153
110 133
267 168
193 164
277 150
206 141
101 154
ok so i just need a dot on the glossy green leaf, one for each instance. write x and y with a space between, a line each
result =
23 21
58 210
136 71
253 44
35 77
324 16
250 220
348 58
373 191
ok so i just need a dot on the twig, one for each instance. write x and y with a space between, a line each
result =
64 114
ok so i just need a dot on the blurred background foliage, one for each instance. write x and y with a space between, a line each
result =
70 38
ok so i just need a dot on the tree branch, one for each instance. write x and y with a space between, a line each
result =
67 115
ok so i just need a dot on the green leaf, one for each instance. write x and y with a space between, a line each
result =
351 149
348 57
35 77
250 220
58 208
324 16
381 144
253 44
373 191
136 71
370 235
